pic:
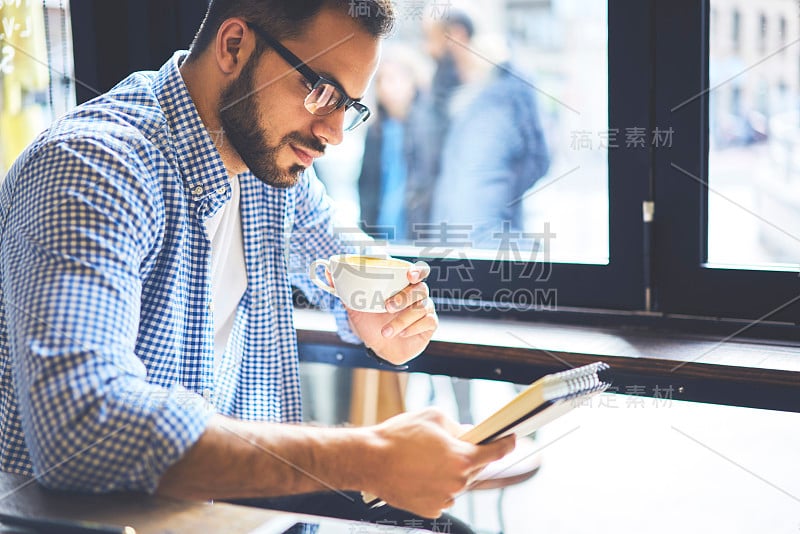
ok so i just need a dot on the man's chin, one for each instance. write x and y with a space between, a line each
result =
284 179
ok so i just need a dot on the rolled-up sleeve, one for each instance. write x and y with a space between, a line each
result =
79 222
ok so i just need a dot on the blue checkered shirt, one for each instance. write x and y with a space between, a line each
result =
106 327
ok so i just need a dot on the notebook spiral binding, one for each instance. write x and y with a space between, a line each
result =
582 380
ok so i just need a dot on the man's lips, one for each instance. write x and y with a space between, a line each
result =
306 157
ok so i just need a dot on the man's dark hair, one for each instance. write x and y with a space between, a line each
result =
285 19
457 17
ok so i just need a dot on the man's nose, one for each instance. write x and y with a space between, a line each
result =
329 128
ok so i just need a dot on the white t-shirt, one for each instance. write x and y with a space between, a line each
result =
228 269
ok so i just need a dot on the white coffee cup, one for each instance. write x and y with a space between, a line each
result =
363 283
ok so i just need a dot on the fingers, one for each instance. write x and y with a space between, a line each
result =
495 450
453 427
432 473
414 307
407 297
427 467
418 318
415 292
464 428
473 476
416 313
418 272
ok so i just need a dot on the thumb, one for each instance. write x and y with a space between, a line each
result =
494 450
418 272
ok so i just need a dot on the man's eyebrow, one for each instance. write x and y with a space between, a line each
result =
331 77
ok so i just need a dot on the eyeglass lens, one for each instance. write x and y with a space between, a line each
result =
325 98
352 118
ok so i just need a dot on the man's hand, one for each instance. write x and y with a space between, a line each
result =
423 466
408 325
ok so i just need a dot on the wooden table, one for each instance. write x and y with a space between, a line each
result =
722 369
22 496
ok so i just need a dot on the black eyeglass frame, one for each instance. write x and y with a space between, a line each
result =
313 78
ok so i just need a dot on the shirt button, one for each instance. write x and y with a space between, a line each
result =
221 191
197 191
211 306
207 394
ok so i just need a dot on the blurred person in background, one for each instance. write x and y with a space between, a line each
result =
489 140
493 147
399 158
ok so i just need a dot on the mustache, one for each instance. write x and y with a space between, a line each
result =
298 139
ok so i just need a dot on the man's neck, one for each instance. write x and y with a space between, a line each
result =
205 97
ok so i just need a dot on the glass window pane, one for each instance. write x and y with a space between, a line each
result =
490 134
36 71
754 134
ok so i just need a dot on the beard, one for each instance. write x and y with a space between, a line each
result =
240 117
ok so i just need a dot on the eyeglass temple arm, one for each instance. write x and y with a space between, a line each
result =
287 54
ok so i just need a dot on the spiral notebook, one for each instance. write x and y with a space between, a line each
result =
545 400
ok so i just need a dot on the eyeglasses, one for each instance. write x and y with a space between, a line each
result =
325 96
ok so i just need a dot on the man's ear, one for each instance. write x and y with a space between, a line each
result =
233 45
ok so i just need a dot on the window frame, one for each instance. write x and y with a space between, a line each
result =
703 297
648 42
619 285
687 283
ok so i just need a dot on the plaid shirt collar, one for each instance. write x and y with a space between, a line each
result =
204 174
